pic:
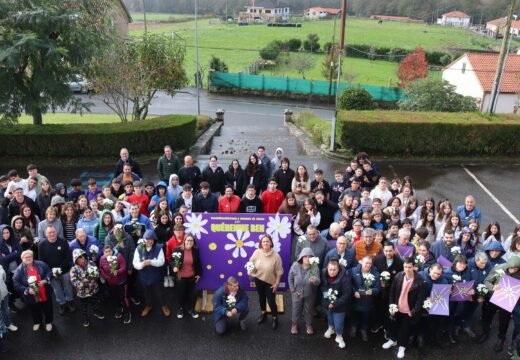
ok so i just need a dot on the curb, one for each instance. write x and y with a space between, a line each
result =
304 140
203 143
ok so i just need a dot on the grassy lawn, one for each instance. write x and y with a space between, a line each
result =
150 16
73 119
238 46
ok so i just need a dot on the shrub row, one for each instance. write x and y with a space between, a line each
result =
79 140
439 58
397 133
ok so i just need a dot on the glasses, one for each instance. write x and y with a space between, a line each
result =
189 241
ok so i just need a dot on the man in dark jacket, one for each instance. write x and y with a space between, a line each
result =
167 164
19 200
326 208
124 158
207 200
214 175
187 199
189 174
229 301
408 293
284 176
250 202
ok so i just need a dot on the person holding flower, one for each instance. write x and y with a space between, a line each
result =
229 301
345 256
31 280
113 271
186 265
267 273
459 272
304 279
408 292
336 288
84 276
89 244
423 258
434 324
511 268
149 261
366 285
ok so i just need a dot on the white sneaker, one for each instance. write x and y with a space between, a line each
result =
48 327
330 331
171 281
389 344
166 282
340 341
12 328
36 327
400 352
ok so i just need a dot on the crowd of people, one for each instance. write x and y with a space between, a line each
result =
366 253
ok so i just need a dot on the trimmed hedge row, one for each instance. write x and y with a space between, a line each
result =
397 133
90 140
395 54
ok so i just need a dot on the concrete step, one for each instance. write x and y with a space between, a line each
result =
252 131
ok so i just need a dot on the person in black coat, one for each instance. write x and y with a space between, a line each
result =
408 293
236 178
187 199
19 200
189 174
284 176
124 158
255 173
208 201
387 261
326 208
214 175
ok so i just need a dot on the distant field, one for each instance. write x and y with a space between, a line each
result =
139 16
238 46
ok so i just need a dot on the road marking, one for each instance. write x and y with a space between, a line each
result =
391 167
493 197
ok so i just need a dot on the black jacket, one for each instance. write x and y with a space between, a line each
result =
380 263
135 167
196 207
14 207
215 179
284 179
259 178
416 295
236 179
197 267
190 175
251 206
327 211
343 285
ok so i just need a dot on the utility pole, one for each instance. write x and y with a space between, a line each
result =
144 12
332 51
197 78
340 54
501 59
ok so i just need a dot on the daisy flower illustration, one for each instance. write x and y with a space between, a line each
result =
278 227
195 225
239 242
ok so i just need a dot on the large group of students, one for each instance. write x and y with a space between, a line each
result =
366 249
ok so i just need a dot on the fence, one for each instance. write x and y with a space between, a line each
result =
298 86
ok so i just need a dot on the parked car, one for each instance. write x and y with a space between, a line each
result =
80 85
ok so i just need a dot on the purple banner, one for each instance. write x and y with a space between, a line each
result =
227 241
460 291
508 294
440 297
404 251
445 263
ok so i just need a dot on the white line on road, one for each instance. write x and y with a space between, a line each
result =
493 197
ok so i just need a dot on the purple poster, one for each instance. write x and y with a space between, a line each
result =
404 251
460 291
508 294
445 263
440 297
227 241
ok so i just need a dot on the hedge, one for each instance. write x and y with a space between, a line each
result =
364 50
397 133
81 140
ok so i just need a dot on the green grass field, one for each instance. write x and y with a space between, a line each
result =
238 46
73 118
139 16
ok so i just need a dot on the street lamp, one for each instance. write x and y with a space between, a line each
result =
197 79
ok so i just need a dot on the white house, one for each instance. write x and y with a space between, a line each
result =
455 18
317 13
496 27
515 28
265 11
473 75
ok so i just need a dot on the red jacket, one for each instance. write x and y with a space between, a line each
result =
226 205
171 245
272 201
110 278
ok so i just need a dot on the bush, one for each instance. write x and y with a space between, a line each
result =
356 99
312 43
271 51
78 140
218 65
398 133
317 127
294 44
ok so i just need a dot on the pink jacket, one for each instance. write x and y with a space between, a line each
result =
110 278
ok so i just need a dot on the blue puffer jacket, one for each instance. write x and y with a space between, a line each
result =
91 240
464 275
8 256
477 274
342 284
495 246
349 256
219 302
155 199
365 303
87 225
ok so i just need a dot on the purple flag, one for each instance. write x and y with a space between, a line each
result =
508 294
460 291
404 251
440 297
444 262
226 242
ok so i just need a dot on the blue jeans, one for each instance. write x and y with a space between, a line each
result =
5 318
62 289
336 320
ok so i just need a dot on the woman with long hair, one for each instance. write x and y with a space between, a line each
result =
444 210
452 223
255 174
69 219
492 233
308 215
410 211
428 221
236 178
43 200
161 207
31 220
301 184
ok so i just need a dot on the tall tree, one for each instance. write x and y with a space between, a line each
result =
413 67
44 44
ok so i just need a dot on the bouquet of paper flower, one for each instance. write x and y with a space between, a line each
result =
177 261
455 251
368 280
108 204
456 278
419 261
94 249
499 274
482 291
33 284
92 273
332 295
56 272
250 267
302 239
343 262
427 304
142 244
385 277
315 262
393 309
112 262
231 301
